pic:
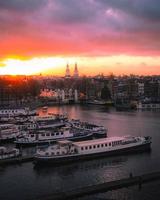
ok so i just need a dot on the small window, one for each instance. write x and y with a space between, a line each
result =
47 134
42 134
32 135
90 147
102 145
94 146
82 148
98 146
61 133
57 133
106 144
110 144
86 148
52 134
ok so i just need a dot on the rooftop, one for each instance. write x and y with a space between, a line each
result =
98 141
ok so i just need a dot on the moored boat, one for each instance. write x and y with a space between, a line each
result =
50 121
12 112
6 153
46 136
8 132
67 151
98 131
97 102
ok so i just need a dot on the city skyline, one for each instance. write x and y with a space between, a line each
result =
41 36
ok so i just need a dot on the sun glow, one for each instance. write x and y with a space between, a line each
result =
32 66
87 65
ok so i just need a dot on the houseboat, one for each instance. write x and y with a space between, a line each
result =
98 131
41 122
46 136
9 112
50 121
8 132
148 106
8 153
67 151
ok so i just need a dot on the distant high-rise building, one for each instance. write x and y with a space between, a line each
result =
67 75
76 73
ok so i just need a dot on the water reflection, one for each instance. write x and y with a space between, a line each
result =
81 166
23 181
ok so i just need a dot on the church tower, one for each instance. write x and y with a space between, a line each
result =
67 75
76 73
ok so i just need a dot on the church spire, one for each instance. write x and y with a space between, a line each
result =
67 75
76 73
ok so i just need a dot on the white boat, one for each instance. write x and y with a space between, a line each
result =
8 153
67 151
11 112
41 122
46 136
8 132
97 102
98 131
49 121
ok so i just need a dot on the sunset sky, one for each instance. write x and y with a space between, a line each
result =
102 36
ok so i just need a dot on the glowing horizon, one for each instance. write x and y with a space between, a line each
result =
117 65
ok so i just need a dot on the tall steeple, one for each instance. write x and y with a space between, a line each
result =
67 75
76 73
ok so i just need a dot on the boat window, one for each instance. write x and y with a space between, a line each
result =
61 133
47 134
43 134
106 144
81 148
52 153
90 147
101 145
98 146
32 135
86 148
94 146
110 144
47 153
52 134
57 133
57 152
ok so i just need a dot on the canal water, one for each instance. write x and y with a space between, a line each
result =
24 182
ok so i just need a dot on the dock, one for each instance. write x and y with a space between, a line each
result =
104 187
18 160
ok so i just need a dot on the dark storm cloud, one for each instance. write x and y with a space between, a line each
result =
21 5
146 9
72 11
119 26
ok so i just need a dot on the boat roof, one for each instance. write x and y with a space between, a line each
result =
6 125
65 142
98 141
